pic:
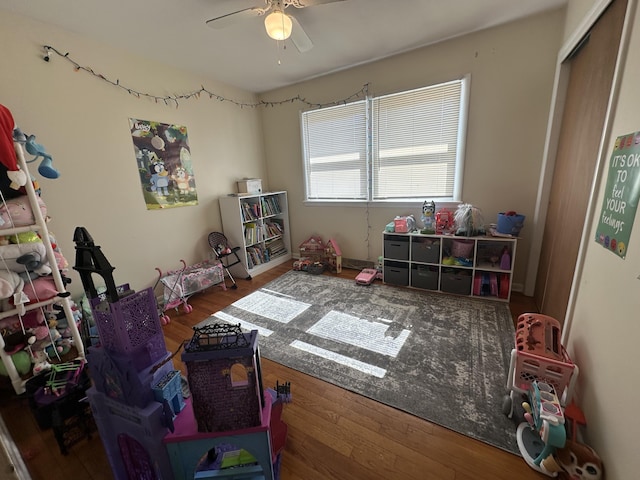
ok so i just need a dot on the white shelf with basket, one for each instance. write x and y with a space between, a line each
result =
480 267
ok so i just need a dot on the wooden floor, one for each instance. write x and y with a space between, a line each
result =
333 433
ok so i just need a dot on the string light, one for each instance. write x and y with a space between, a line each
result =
175 99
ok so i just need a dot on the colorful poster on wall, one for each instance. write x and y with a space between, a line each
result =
164 164
621 195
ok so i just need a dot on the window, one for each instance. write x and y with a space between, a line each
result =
406 146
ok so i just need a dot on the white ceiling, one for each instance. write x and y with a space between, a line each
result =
344 33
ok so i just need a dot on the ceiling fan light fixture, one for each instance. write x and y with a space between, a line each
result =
278 25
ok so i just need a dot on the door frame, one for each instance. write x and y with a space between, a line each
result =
554 125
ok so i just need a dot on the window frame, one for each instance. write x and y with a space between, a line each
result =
465 83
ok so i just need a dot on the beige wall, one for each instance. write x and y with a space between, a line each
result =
512 71
83 123
605 327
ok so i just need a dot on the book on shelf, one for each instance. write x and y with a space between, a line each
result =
276 248
270 206
250 211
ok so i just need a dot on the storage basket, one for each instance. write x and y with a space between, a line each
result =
462 248
510 224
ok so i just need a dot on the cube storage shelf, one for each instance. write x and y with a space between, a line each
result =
259 223
480 267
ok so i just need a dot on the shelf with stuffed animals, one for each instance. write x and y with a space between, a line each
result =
449 254
38 320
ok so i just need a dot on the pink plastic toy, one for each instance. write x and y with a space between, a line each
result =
366 276
539 355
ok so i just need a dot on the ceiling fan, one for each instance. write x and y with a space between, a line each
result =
278 23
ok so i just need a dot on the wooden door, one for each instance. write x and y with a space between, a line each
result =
590 79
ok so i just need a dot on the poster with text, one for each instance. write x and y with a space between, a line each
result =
164 164
621 195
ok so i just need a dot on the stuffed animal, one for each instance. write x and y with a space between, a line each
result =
34 264
17 340
21 360
11 291
45 168
12 177
468 220
27 259
576 460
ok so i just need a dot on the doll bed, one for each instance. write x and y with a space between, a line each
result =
179 285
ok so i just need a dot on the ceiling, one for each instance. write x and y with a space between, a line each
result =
344 33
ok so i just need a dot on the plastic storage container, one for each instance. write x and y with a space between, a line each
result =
510 223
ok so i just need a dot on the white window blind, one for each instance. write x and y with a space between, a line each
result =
400 147
414 142
335 151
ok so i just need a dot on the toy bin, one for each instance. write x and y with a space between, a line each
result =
424 276
539 356
396 247
131 326
396 273
425 250
456 280
510 223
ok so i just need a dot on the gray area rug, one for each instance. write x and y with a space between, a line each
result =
439 357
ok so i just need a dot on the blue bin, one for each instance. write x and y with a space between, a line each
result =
510 224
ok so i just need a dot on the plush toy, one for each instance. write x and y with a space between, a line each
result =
10 283
35 264
11 287
45 168
576 460
17 340
13 177
40 362
22 362
468 220
27 259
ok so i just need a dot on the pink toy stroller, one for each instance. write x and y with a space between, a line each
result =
539 355
181 284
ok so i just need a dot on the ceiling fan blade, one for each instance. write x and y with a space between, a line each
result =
233 17
299 37
310 3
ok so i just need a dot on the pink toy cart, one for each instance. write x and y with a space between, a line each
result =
539 355
181 284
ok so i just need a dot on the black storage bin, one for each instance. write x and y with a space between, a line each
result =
396 273
424 276
425 249
456 280
396 247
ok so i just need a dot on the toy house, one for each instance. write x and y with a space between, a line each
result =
333 256
223 370
313 249
129 362
229 420
226 427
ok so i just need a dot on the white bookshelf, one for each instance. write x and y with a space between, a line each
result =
259 223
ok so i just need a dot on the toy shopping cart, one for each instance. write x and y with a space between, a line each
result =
180 285
539 355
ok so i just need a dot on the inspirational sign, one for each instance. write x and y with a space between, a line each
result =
621 195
